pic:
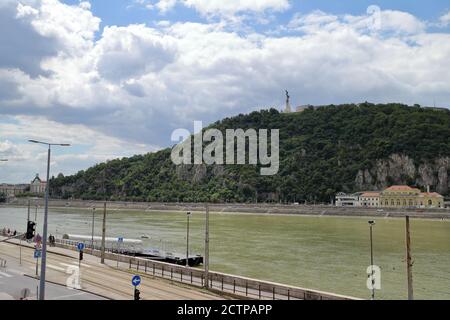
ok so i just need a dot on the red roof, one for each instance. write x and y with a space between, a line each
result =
400 188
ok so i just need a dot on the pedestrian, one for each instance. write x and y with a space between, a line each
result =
15 233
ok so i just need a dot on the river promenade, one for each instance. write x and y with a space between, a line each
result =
275 209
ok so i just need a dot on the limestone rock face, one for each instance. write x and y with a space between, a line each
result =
401 169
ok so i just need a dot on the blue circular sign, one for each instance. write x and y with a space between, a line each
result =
80 246
136 281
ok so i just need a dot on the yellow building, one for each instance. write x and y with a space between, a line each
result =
405 196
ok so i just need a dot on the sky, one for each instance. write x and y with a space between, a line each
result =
114 78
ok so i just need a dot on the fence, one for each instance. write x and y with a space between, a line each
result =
221 282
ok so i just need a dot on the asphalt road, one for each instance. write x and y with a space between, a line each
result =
100 280
15 279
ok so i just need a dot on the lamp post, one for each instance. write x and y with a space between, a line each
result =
371 224
187 239
92 239
45 224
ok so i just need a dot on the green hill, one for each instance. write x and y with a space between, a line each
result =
323 150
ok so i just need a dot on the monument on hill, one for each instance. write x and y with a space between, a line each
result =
288 105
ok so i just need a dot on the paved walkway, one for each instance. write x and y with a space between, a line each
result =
102 280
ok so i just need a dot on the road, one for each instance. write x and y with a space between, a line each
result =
15 279
100 280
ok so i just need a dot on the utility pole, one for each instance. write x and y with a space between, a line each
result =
408 261
92 239
371 224
103 234
187 239
45 224
102 250
28 216
207 247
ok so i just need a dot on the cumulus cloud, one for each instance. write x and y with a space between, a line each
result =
387 22
234 6
445 19
219 7
132 85
165 5
129 52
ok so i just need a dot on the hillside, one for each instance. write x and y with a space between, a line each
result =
323 150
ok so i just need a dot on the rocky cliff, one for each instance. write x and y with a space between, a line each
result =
401 169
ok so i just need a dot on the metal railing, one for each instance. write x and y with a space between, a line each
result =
220 282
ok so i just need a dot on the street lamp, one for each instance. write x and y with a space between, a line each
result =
188 214
371 224
45 225
92 240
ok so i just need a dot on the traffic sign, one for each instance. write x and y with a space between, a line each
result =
80 246
37 253
120 240
136 281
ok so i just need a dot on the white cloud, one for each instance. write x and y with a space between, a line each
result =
234 6
220 7
30 158
165 5
129 52
382 22
128 89
445 19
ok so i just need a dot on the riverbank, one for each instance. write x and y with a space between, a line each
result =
326 253
238 208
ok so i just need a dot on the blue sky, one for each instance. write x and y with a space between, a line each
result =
114 78
125 12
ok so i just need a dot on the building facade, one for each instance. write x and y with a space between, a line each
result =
12 190
407 197
370 199
37 186
347 200
392 197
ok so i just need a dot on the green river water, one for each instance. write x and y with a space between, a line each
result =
324 253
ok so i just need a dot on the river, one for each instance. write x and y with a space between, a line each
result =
324 253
